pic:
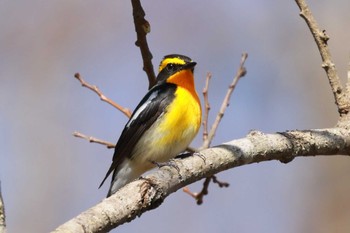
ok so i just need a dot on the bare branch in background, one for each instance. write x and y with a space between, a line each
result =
199 196
109 145
240 73
207 138
206 107
321 38
95 89
142 27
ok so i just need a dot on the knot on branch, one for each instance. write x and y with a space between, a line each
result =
152 195
324 37
326 65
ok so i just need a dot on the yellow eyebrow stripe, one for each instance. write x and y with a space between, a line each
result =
173 60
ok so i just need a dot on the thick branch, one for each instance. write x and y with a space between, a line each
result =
348 80
142 27
148 193
321 38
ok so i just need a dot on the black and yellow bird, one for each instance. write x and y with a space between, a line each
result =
163 124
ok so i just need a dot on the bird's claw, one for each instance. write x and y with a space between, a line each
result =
170 163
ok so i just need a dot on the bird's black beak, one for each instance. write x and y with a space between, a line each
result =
190 66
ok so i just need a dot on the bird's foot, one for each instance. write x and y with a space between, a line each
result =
184 155
190 153
170 163
200 156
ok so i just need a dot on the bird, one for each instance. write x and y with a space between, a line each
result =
162 125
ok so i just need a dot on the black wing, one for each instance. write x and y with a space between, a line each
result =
145 114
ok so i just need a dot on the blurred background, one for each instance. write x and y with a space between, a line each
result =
48 176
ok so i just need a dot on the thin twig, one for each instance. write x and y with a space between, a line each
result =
207 138
240 73
220 183
95 89
109 145
187 190
142 27
206 107
321 39
199 196
2 214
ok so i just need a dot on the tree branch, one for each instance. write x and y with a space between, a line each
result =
240 73
95 89
2 214
347 88
91 139
208 137
206 107
321 38
128 203
142 27
205 190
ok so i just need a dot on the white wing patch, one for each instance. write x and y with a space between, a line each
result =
143 107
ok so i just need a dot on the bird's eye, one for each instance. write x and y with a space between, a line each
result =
171 67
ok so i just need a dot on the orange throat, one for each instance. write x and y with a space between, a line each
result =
185 80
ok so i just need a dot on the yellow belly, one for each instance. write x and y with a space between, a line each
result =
183 120
172 132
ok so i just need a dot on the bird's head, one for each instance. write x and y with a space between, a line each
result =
175 66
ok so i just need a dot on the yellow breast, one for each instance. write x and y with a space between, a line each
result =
182 119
